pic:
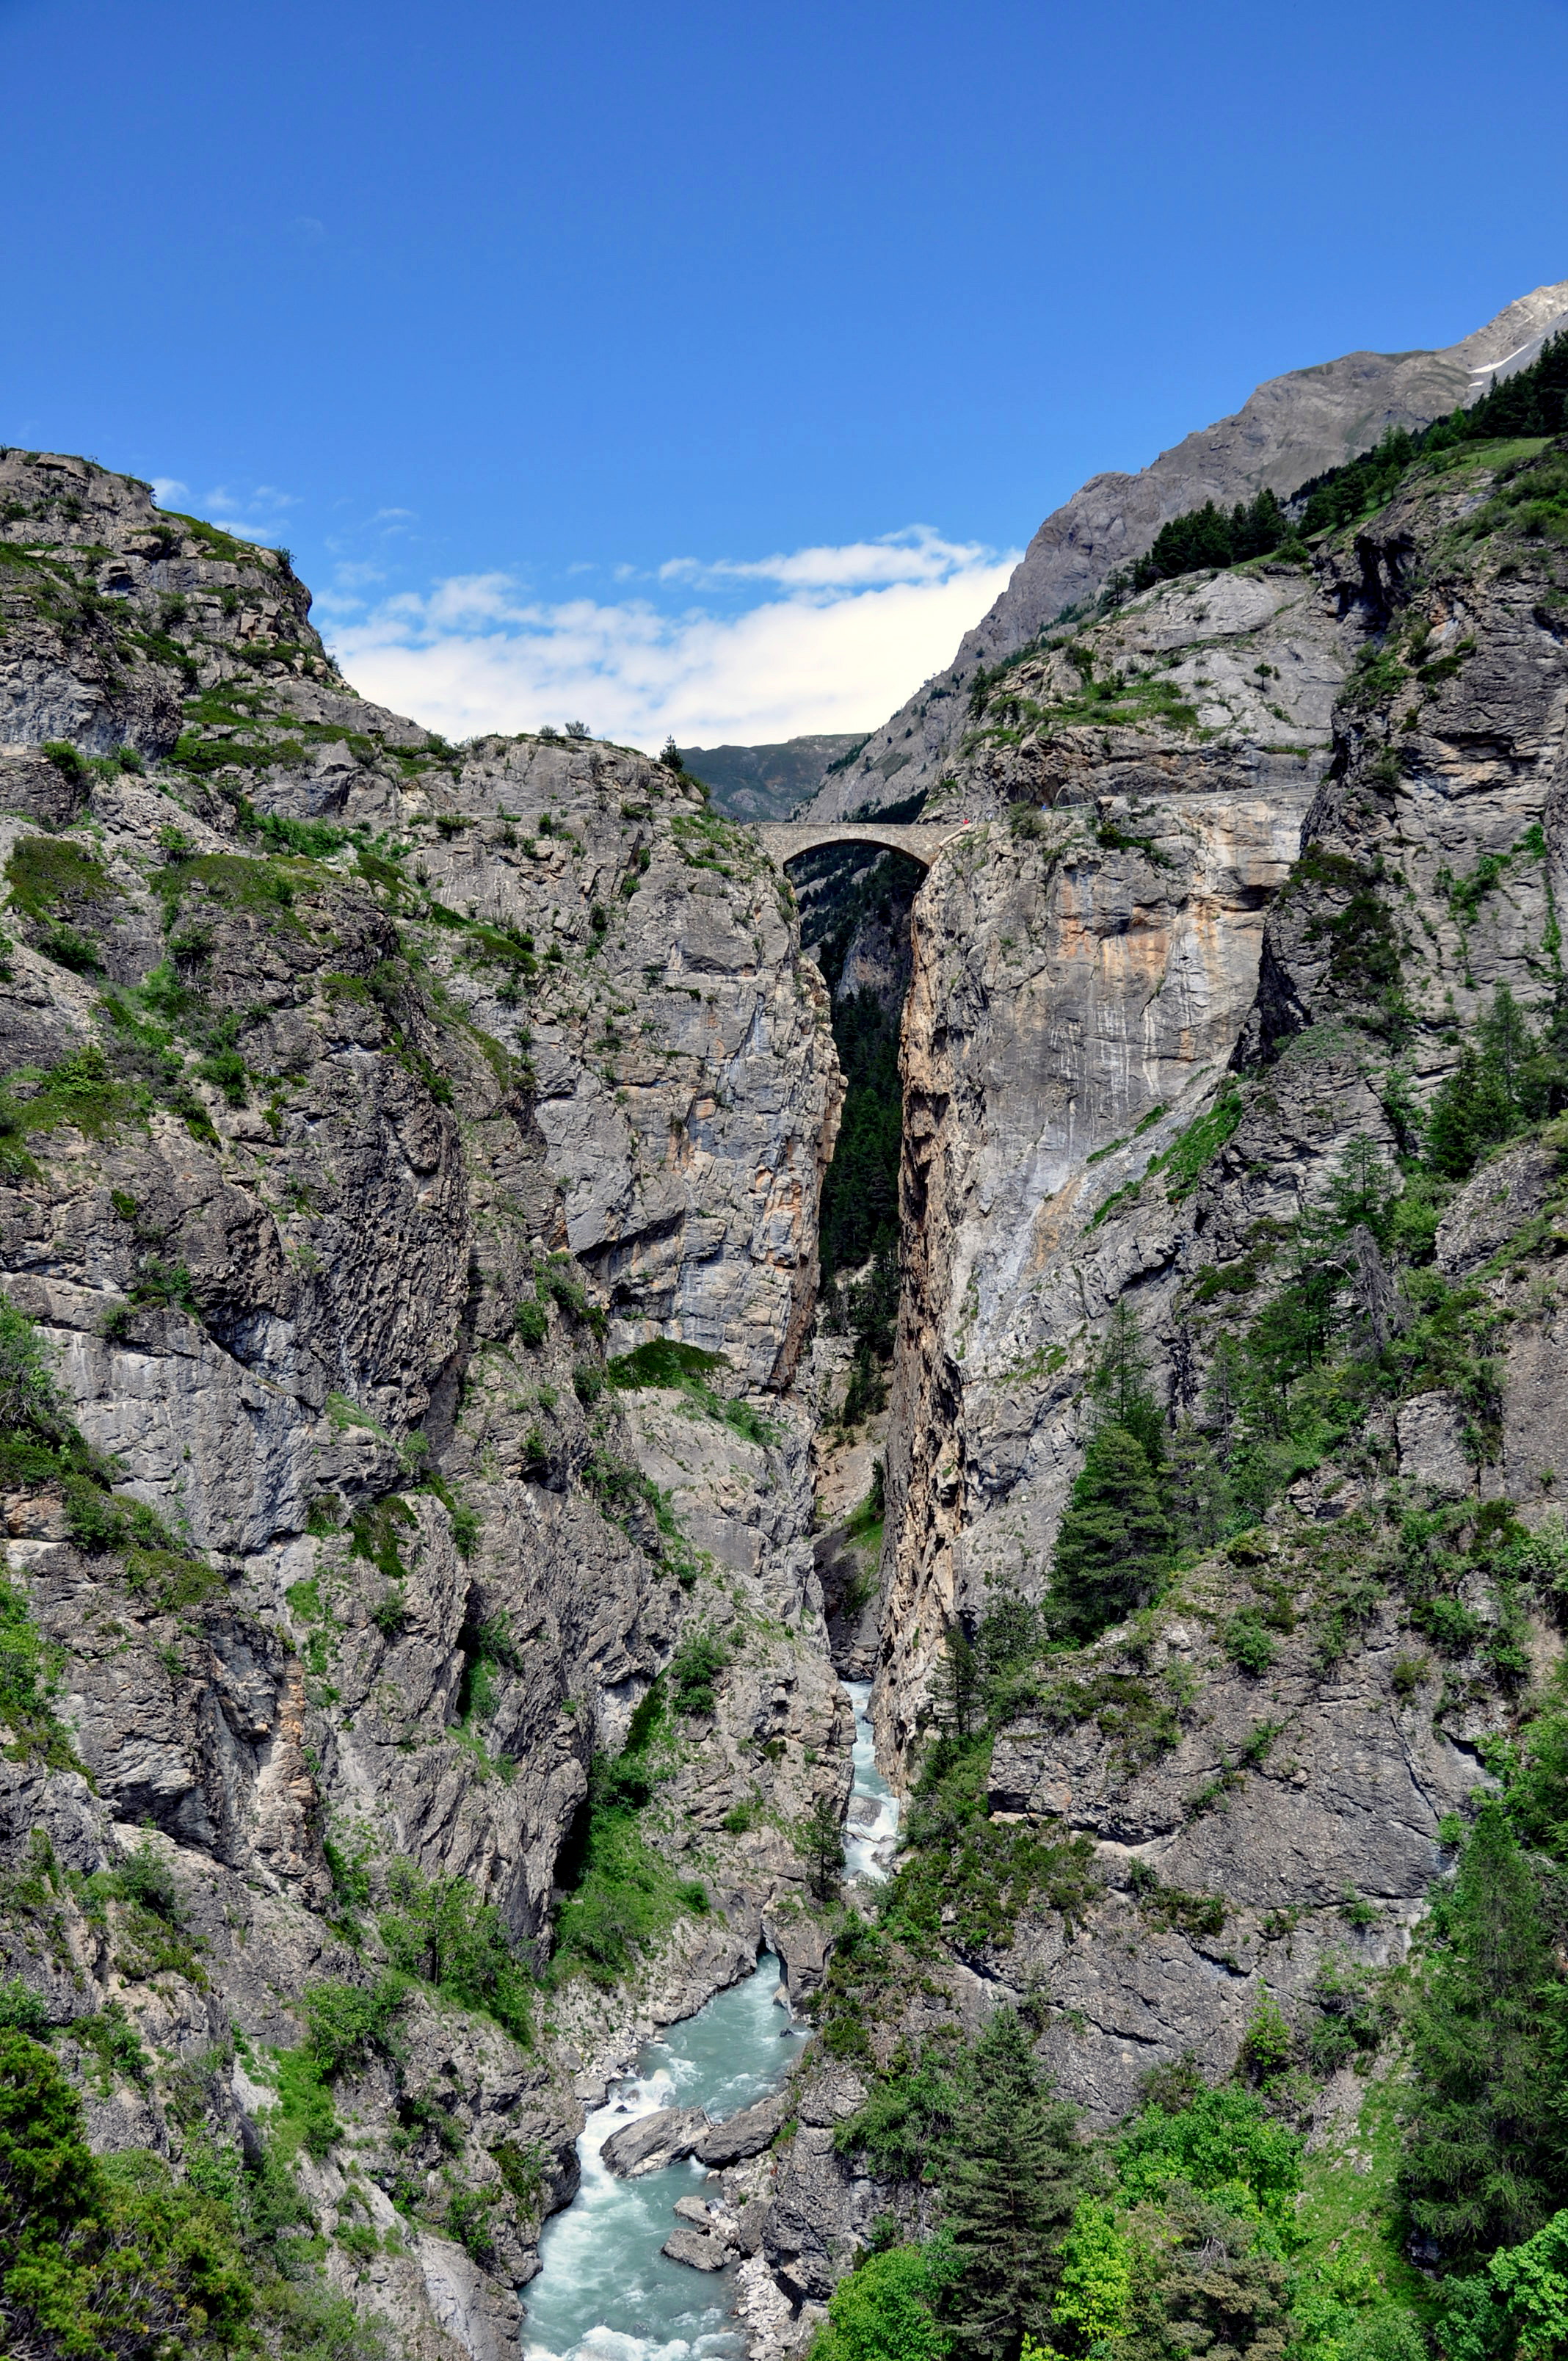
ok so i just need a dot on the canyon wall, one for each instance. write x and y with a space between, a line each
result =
1162 1004
327 1047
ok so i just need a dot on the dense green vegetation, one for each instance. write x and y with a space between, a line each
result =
1201 2222
112 2259
622 1895
686 1369
1213 536
1175 2235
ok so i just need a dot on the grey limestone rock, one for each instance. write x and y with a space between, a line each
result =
650 2142
697 2248
745 2134
441 1033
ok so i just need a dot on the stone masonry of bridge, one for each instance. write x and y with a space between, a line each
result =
785 840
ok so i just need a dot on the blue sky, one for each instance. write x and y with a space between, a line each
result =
701 369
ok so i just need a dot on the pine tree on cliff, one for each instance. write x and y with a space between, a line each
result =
1486 2146
1115 1538
1114 1541
1010 2183
1120 1387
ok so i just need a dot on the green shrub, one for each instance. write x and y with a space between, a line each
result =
1224 2144
969 1876
621 1897
30 1673
883 2309
348 2022
560 1278
48 874
1246 1642
694 1669
304 2118
663 1361
21 2010
438 1930
532 1321
1268 2046
81 1091
103 2258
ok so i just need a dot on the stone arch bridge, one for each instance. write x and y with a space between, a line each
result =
785 840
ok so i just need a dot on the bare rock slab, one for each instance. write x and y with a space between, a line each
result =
745 2134
653 2141
697 2248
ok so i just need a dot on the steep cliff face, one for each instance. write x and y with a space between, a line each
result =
359 1096
1083 970
1147 1042
1290 429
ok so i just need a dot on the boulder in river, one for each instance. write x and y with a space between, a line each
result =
746 2134
703 2252
650 2142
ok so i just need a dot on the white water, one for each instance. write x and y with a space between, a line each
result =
604 2292
871 1837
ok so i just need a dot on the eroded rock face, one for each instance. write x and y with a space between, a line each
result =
326 1047
1082 975
1080 998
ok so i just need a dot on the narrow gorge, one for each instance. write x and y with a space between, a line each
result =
978 1424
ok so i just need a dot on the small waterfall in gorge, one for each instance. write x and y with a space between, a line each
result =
604 2292
872 1835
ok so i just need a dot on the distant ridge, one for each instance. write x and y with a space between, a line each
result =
1291 428
767 782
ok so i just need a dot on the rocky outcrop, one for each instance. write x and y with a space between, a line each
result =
1134 1053
743 2134
1291 429
653 2141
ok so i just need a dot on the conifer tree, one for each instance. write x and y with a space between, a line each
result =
821 1841
957 1687
1121 1383
1224 1396
1011 2181
1112 1542
1115 1537
1486 2152
1194 1489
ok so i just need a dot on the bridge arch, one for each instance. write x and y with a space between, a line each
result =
786 840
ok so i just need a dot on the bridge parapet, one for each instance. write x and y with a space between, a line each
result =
785 840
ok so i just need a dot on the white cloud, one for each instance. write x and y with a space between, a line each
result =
857 630
917 554
167 488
